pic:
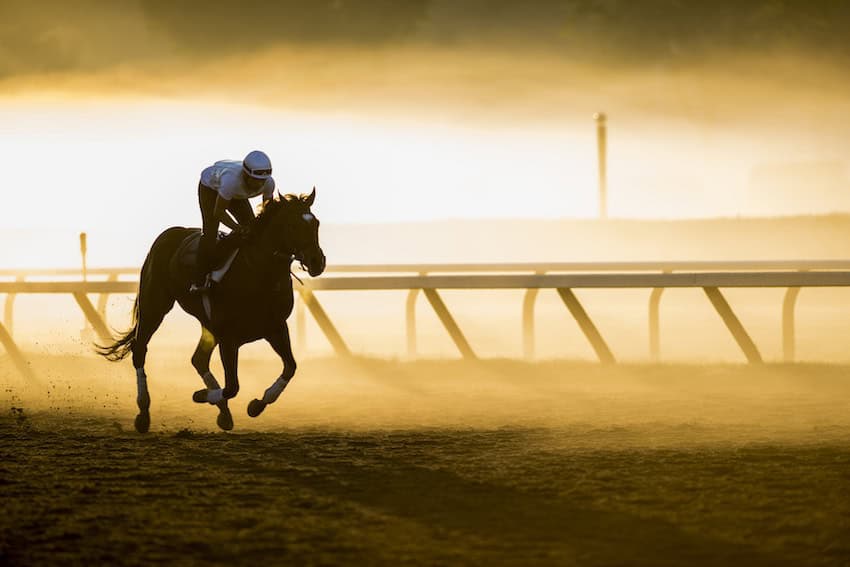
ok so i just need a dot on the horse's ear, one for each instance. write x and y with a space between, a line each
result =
279 198
308 200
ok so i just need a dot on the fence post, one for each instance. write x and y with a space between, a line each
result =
93 318
602 151
410 321
9 308
103 298
528 341
733 324
449 323
83 252
789 340
324 322
300 323
588 328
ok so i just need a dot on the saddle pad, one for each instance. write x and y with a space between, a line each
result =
186 257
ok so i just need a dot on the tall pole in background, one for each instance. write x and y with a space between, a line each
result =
83 250
602 147
86 333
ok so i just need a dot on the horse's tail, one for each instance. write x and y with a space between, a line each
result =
123 345
154 274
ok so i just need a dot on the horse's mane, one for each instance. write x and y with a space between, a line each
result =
269 209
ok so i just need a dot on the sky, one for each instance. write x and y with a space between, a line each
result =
424 110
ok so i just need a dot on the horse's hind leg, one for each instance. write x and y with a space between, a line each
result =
281 344
201 362
152 311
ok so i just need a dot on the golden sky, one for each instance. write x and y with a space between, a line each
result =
423 110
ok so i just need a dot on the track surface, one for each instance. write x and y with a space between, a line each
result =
79 486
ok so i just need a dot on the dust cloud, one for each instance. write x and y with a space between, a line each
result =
663 405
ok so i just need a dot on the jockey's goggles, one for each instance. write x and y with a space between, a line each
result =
257 172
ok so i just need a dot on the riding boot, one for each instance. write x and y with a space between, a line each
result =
203 272
202 279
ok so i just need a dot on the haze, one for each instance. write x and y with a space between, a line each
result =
423 110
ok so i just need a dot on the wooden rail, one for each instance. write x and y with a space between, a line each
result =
429 278
533 267
555 281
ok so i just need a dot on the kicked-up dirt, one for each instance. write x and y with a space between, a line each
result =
432 463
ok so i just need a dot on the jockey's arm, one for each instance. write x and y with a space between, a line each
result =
221 214
268 193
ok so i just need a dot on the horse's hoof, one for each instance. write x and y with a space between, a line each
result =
200 396
143 422
225 418
256 407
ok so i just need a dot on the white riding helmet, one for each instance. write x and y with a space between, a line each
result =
258 165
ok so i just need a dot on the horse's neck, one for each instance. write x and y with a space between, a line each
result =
263 256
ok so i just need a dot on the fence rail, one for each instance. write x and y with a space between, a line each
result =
429 278
588 281
533 267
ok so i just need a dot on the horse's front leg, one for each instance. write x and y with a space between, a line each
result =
279 341
201 362
229 352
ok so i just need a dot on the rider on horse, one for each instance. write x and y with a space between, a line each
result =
225 187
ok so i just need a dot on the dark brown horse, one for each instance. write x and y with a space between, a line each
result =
251 302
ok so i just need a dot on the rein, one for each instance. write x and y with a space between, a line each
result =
291 273
277 255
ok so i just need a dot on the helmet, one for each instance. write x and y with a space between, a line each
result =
258 165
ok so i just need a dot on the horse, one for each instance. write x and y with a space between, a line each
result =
251 302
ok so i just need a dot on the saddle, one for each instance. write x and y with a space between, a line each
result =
185 259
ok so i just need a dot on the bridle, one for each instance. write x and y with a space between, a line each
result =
287 257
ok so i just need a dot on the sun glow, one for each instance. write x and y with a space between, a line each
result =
128 167
147 156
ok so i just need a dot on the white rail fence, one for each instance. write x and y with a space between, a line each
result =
428 279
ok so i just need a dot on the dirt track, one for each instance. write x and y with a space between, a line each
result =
722 477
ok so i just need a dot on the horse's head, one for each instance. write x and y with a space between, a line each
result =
293 231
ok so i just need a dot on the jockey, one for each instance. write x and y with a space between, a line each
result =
225 187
